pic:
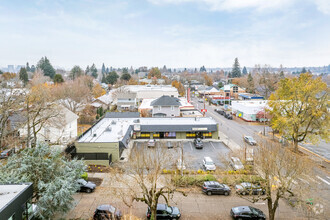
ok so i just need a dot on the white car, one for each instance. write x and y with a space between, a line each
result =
236 163
152 143
250 140
180 165
208 164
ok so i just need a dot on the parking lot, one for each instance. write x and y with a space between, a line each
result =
193 157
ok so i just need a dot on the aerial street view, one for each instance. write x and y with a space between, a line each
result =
164 109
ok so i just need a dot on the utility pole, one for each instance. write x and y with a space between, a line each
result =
181 145
264 121
204 100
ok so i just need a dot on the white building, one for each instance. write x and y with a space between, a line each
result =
248 109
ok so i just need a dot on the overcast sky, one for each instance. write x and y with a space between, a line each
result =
175 33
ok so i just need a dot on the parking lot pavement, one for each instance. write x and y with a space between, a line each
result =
195 206
193 157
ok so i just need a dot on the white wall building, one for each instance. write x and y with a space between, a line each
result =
248 109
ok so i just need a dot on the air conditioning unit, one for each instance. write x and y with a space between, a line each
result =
94 135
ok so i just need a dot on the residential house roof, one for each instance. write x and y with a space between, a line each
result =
166 101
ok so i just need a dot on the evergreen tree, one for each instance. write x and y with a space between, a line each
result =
125 76
103 80
282 75
251 88
229 75
236 71
58 78
244 71
53 175
33 68
112 77
1 72
103 69
23 76
87 70
28 69
107 70
93 71
46 67
125 70
202 69
75 72
303 70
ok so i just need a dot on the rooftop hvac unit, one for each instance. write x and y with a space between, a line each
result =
94 135
113 122
108 129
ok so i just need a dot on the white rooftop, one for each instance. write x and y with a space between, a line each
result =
9 192
146 104
138 88
114 129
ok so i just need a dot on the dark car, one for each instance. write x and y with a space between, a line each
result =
165 212
6 153
222 112
229 116
86 186
198 143
107 212
247 212
213 187
249 189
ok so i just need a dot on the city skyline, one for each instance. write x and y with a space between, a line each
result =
181 33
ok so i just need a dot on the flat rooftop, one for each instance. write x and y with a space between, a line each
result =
114 129
9 192
139 88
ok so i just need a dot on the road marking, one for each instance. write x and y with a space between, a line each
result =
212 145
191 146
328 177
312 179
260 203
305 181
323 180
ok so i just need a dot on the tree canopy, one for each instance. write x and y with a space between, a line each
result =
75 72
236 71
23 75
111 78
58 78
244 71
46 67
154 72
52 174
299 109
125 76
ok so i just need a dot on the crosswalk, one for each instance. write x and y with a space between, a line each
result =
308 180
323 180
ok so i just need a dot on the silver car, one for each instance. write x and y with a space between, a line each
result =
236 163
208 164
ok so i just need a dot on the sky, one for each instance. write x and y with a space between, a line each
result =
175 33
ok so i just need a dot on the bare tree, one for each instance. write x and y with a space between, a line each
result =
280 169
141 177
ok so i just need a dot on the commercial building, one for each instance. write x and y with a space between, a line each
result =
106 141
250 110
15 201
249 96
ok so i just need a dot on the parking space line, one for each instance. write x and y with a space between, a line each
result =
260 203
191 146
305 181
323 180
212 145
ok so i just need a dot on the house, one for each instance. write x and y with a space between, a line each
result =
103 101
231 90
207 91
16 201
166 106
60 129
126 101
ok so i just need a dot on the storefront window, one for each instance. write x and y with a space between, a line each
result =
190 135
145 135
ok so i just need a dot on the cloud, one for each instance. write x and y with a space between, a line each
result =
230 5
323 6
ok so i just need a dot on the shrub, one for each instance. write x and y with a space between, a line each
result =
84 176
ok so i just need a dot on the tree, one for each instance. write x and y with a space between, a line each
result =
266 79
103 69
299 109
87 70
93 71
279 169
180 87
28 69
107 70
75 72
125 76
142 178
33 68
1 72
23 76
154 72
125 70
132 81
112 77
208 80
202 69
250 88
220 85
58 78
303 70
282 75
52 174
98 91
236 71
46 67
244 71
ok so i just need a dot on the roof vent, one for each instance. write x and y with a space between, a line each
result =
137 121
113 122
108 129
94 135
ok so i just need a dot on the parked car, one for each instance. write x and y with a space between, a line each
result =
198 143
236 163
247 212
86 186
170 144
229 116
213 187
6 153
152 143
249 188
208 164
180 165
222 112
217 110
250 140
165 212
107 212
200 100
